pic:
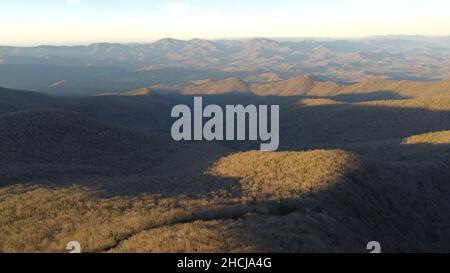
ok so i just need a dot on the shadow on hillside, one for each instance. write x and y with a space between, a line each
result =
404 205
371 96
302 127
341 125
396 150
399 196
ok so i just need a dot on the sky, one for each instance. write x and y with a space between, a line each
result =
32 22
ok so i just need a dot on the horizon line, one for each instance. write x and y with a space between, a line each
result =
154 40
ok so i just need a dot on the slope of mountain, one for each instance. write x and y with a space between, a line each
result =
329 124
298 86
373 89
268 77
138 92
168 43
441 137
51 143
352 170
433 103
402 88
138 109
286 174
13 100
142 108
315 201
218 87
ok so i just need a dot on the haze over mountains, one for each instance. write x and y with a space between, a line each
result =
101 68
364 147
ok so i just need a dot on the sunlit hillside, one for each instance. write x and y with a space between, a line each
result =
102 170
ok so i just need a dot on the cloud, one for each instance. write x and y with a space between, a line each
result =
176 7
73 2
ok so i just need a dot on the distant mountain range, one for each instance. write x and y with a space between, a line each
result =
307 86
106 67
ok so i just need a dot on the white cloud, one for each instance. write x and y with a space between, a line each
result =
176 7
73 2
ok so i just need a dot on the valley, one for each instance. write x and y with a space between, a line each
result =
224 135
352 167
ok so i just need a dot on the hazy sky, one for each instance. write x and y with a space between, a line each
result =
25 22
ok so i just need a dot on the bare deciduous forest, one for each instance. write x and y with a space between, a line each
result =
359 162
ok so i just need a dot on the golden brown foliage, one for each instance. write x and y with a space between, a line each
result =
285 174
218 87
442 137
362 171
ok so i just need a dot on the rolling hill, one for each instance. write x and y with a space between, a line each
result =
38 144
219 87
371 89
298 86
314 201
355 165
327 123
14 100
140 109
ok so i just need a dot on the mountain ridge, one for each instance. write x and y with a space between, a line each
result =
112 67
52 143
308 86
